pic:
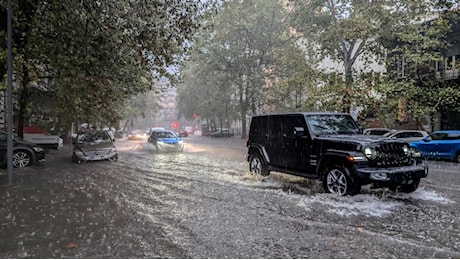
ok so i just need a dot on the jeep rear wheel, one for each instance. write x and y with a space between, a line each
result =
336 180
457 157
258 166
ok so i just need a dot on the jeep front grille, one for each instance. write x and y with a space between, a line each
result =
390 155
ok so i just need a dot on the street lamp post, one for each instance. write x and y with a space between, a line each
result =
10 97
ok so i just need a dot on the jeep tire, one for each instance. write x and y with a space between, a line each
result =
337 180
258 166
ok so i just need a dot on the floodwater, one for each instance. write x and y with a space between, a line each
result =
203 203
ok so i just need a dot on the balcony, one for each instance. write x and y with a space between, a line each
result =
447 75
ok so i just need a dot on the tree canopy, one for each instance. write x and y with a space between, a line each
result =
233 59
92 56
359 37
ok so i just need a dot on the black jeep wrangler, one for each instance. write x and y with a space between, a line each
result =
331 147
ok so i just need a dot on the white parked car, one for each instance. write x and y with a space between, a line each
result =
377 131
407 135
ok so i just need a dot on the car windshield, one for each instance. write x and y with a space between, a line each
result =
166 135
332 124
94 136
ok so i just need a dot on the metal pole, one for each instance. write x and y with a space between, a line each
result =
10 98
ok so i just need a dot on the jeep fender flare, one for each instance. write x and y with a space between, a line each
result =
331 158
256 148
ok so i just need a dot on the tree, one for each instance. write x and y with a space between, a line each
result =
97 53
345 32
239 52
414 49
294 81
350 31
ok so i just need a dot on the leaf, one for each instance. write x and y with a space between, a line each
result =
71 245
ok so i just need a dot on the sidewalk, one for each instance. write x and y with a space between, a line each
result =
51 157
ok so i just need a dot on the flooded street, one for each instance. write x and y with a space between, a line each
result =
204 203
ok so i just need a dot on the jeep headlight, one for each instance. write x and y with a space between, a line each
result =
370 153
406 150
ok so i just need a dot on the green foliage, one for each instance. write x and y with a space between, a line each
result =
349 31
414 47
294 81
226 75
97 54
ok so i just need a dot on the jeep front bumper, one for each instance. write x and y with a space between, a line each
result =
397 175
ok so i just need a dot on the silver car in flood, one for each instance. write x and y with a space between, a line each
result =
94 145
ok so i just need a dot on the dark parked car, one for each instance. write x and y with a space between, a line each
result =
222 133
166 141
24 153
94 146
119 134
440 145
331 147
182 133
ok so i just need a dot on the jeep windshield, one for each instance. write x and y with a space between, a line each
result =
332 124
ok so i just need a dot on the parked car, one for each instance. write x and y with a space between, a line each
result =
189 130
407 135
443 144
330 147
119 134
222 133
166 141
24 153
94 145
183 133
377 131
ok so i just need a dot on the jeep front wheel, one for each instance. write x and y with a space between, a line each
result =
258 166
336 180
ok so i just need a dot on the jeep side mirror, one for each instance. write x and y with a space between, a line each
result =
299 131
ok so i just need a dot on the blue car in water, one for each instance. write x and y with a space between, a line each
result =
444 144
166 141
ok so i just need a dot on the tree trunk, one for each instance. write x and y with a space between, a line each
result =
348 85
23 101
243 109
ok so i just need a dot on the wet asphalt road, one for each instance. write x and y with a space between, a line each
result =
203 203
